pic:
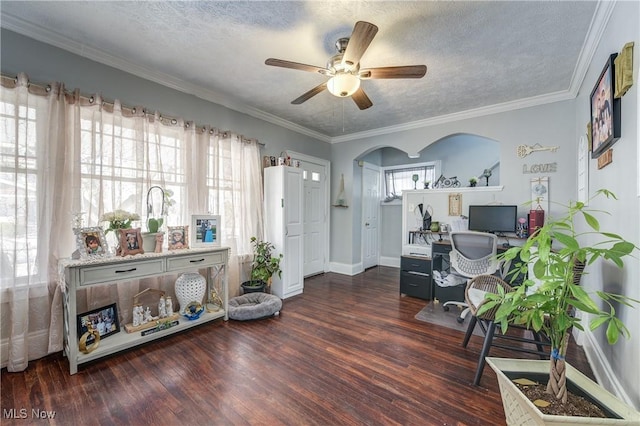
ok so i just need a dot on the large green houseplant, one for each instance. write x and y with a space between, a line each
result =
553 251
263 266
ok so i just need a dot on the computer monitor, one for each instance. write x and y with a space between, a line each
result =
493 218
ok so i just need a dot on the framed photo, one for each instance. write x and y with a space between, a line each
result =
455 204
130 241
178 237
205 231
104 320
605 111
91 242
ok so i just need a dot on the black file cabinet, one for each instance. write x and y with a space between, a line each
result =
415 277
440 262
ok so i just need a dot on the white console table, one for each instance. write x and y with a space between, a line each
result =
80 274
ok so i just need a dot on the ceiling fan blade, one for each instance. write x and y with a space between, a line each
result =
294 65
362 35
409 71
311 93
361 99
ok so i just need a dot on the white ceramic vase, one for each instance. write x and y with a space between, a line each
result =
190 287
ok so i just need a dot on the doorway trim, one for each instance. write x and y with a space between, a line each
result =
378 170
327 196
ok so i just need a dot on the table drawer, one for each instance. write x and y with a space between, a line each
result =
123 271
414 264
195 261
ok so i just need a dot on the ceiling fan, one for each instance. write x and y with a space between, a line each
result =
344 68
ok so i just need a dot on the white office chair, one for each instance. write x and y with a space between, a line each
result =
472 254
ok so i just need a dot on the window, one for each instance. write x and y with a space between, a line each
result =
18 182
119 162
401 178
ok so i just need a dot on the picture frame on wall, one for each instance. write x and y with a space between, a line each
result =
130 241
91 242
205 231
178 237
605 110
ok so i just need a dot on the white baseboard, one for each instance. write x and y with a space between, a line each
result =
345 268
393 262
602 368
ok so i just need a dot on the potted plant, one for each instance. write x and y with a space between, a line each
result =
264 265
473 181
157 208
549 307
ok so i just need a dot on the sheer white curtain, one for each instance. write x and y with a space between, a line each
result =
231 188
36 194
61 155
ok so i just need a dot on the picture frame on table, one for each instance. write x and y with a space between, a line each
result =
130 241
605 111
178 237
91 242
205 231
105 320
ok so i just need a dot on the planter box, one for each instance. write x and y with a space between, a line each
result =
520 411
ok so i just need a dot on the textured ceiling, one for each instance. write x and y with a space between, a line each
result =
479 55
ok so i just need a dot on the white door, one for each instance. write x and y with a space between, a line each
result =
314 219
370 214
316 208
294 239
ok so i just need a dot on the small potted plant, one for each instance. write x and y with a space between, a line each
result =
157 209
473 181
264 265
555 252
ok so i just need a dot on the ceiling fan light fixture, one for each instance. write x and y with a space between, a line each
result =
343 84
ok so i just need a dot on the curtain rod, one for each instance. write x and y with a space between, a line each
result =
75 96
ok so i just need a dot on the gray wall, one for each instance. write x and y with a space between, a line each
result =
44 63
617 366
509 129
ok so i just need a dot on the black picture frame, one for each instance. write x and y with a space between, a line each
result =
605 110
105 313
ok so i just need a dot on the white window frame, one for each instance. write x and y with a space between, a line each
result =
436 172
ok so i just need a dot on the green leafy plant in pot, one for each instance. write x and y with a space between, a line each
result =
264 265
555 253
157 208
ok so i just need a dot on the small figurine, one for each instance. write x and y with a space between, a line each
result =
137 315
168 306
147 316
159 242
162 308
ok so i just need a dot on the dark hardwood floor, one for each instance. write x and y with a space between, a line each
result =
346 352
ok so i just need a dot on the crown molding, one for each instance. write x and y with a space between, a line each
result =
603 12
458 116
